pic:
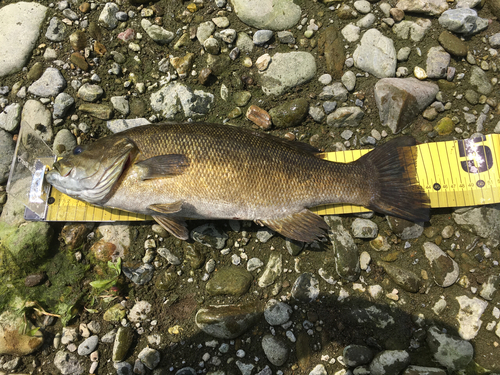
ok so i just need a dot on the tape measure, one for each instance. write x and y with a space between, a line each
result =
452 173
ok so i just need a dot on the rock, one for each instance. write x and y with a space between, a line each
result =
452 44
176 97
193 256
287 70
261 37
114 314
233 281
376 54
120 104
277 312
401 100
56 31
117 126
123 368
150 357
389 362
275 350
405 229
364 228
335 91
19 31
318 370
489 288
140 275
450 352
437 62
272 271
157 33
469 316
139 312
421 370
462 21
259 117
63 142
209 235
479 79
408 280
357 355
12 339
62 104
10 117
444 270
244 42
241 98
268 14
90 93
286 37
227 321
7 148
212 46
289 114
482 221
88 346
68 363
107 18
330 45
305 288
345 250
431 7
123 341
349 80
351 33
49 84
445 126
100 111
78 40
494 40
367 21
345 117
38 118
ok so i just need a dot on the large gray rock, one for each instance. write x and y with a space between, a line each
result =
39 118
463 21
177 97
268 14
469 316
49 84
10 117
376 54
19 30
483 221
401 100
286 71
430 7
450 352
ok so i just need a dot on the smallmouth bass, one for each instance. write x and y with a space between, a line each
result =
184 171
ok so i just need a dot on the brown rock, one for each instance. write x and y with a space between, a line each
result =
452 44
494 6
77 59
84 7
345 12
103 250
203 77
99 48
330 45
101 111
78 40
397 14
259 117
35 279
183 64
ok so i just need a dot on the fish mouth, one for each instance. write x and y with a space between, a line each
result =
57 166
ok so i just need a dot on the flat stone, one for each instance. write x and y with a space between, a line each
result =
123 341
19 30
429 7
376 54
401 100
49 84
287 70
452 44
262 36
227 321
176 97
268 14
90 93
88 346
232 281
331 46
101 111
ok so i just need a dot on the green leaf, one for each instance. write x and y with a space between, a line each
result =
103 284
32 332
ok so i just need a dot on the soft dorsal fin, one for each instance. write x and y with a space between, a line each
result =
162 166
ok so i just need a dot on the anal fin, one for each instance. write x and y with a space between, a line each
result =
166 208
175 226
304 226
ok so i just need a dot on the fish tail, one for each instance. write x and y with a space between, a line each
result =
394 187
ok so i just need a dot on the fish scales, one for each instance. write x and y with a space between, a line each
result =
206 171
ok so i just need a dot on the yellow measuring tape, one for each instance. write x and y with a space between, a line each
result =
452 173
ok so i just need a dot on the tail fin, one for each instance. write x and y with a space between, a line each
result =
395 190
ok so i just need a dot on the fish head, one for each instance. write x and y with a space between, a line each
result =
90 172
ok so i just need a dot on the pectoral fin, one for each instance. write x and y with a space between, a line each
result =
302 226
166 208
174 226
162 166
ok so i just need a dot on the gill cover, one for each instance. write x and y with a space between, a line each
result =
90 172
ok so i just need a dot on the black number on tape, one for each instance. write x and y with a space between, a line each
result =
482 156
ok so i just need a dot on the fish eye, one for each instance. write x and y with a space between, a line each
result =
77 150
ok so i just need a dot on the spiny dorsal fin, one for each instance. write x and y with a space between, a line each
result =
166 208
162 166
304 226
174 226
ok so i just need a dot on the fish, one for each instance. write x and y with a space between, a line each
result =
179 171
